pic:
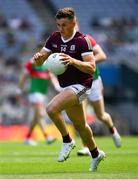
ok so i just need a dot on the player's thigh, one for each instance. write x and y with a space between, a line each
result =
96 91
76 114
98 107
63 100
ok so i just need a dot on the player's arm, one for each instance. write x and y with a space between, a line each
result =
21 83
86 66
40 57
55 82
24 75
99 54
22 80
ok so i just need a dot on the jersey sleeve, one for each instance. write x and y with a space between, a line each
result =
28 67
92 40
85 46
48 43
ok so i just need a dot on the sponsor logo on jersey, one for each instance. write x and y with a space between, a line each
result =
54 45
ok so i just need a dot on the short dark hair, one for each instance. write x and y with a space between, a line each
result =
66 12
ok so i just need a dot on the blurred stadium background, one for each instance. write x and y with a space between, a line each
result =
113 24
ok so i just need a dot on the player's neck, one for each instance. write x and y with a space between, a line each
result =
66 39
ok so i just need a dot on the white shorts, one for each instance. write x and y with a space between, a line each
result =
96 90
81 91
36 98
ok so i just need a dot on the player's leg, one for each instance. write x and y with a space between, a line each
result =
96 99
68 100
97 102
85 150
105 117
101 114
77 116
60 102
29 140
41 114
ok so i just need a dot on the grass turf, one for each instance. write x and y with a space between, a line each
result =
18 161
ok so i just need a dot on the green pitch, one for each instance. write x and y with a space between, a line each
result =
18 161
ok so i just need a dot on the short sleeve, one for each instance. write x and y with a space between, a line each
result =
85 46
48 43
92 40
28 67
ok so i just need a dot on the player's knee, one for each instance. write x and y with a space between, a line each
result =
103 117
51 110
100 116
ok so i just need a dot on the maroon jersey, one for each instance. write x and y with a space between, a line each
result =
74 47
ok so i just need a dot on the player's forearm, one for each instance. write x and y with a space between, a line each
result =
54 81
100 58
99 54
86 67
20 87
22 82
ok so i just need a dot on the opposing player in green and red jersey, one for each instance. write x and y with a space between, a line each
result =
38 88
96 98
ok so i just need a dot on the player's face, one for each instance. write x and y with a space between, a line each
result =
65 27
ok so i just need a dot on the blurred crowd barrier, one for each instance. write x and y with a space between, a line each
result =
18 132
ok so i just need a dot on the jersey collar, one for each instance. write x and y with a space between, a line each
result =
67 40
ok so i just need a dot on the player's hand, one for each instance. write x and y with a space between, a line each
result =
67 60
38 59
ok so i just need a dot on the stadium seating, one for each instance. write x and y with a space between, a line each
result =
21 10
88 9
